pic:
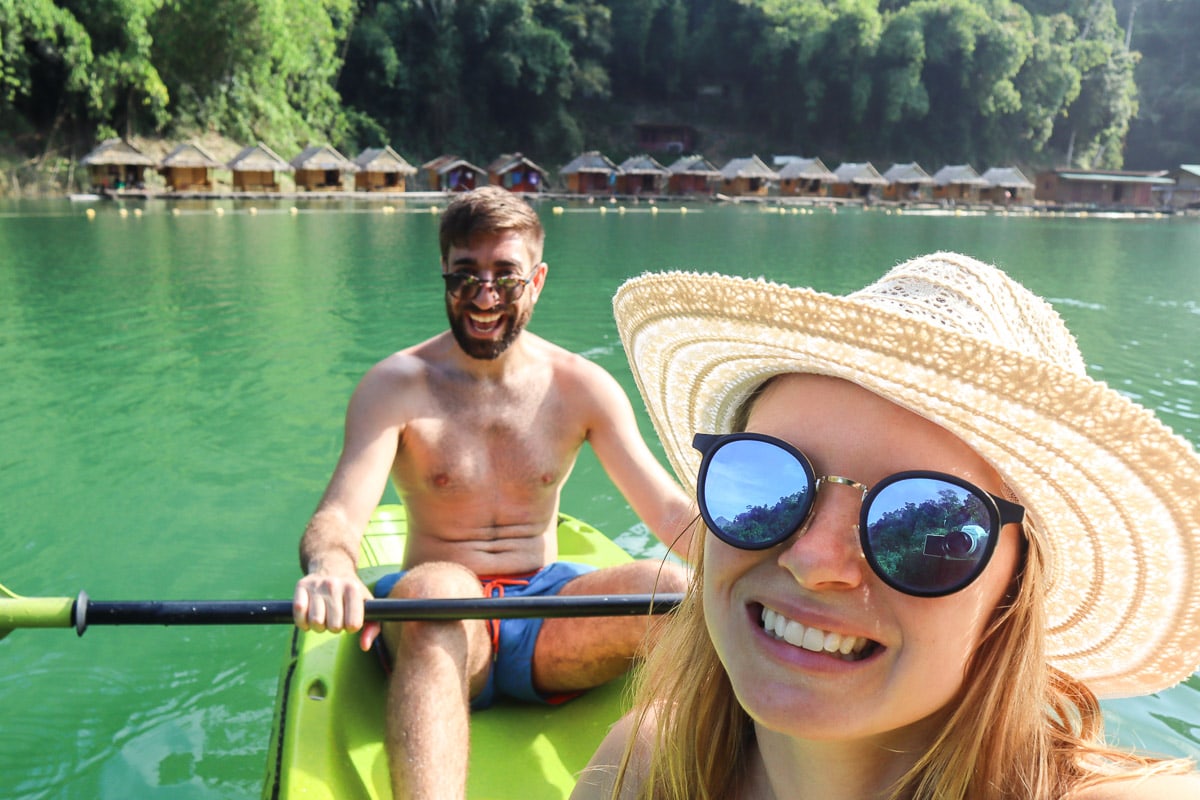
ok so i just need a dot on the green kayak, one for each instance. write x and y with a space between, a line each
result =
327 737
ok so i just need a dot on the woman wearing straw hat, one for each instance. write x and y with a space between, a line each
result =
934 542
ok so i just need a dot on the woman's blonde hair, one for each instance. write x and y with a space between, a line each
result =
1017 729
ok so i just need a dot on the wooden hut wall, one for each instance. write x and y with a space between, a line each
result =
637 184
905 191
116 176
687 184
319 180
255 180
1002 195
587 183
955 191
745 186
517 180
801 187
183 179
379 181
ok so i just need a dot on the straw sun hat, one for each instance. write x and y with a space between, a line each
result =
1111 491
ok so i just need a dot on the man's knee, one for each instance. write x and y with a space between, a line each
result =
672 579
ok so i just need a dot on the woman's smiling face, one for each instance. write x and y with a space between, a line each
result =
906 655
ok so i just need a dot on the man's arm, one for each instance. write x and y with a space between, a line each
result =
651 492
330 596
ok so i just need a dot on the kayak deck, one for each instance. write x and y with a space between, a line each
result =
327 736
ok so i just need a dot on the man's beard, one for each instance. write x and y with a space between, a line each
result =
486 349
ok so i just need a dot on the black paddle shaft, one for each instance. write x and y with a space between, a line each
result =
87 612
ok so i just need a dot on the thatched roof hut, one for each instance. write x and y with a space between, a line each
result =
747 176
1005 185
957 182
590 173
907 182
805 177
254 169
187 168
382 169
450 173
321 168
692 175
641 174
857 179
517 173
116 164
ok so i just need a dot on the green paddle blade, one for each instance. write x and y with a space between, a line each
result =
32 612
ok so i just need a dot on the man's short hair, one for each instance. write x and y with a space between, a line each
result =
489 210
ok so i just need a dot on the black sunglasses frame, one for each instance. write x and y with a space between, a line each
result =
1000 510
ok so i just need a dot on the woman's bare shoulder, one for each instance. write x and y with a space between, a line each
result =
1151 787
599 776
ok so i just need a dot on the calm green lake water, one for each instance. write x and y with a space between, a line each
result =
171 402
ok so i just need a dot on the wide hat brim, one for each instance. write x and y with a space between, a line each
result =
1113 494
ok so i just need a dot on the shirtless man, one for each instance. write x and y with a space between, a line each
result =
479 428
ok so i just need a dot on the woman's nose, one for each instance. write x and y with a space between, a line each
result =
826 553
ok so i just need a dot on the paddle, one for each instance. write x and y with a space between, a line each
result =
81 612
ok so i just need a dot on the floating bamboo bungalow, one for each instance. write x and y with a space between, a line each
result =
188 168
321 168
641 175
805 177
1100 188
116 164
382 169
590 173
254 169
450 173
857 179
907 183
1005 185
957 182
747 177
692 175
516 173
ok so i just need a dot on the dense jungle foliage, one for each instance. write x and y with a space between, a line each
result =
1091 83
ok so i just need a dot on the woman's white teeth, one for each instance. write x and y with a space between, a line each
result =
814 639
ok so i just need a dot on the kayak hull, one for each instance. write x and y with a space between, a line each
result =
327 735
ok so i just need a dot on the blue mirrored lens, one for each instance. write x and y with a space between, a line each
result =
755 494
927 536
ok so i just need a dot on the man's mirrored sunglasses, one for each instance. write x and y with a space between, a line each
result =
926 534
465 286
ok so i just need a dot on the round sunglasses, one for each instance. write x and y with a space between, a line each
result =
464 286
924 533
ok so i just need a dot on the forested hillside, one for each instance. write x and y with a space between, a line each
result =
1093 83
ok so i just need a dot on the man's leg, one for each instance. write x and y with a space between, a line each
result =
438 667
578 653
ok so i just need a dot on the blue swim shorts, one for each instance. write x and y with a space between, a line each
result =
513 640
